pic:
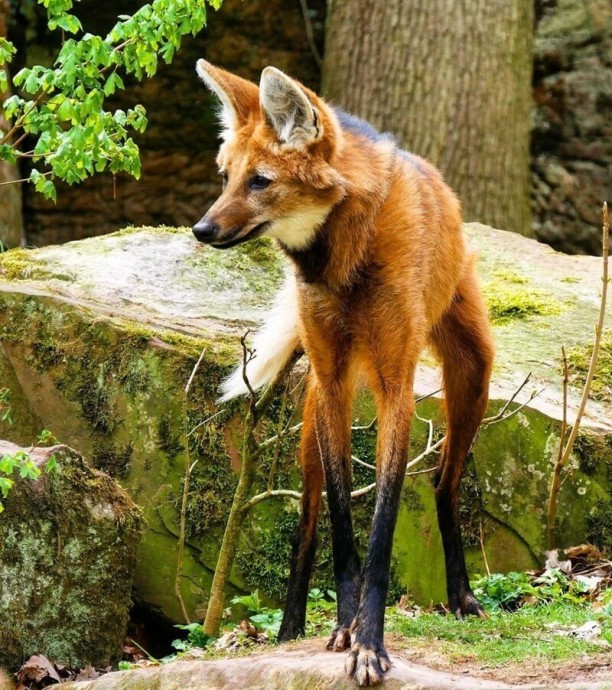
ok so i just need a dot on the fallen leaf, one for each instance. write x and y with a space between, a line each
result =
87 673
38 669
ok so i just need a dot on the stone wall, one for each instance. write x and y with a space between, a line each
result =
179 177
572 135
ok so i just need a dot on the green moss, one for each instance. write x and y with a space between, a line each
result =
154 230
254 268
571 280
599 526
592 451
168 438
507 302
213 480
18 264
510 277
112 458
69 540
579 359
471 508
265 562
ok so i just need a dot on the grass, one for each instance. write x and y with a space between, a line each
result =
530 633
529 618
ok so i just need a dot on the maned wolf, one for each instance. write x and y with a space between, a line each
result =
379 271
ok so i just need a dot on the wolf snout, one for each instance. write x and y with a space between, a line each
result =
205 231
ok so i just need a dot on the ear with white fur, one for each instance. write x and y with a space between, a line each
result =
288 109
238 96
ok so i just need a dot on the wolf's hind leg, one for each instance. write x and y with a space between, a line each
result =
305 539
463 340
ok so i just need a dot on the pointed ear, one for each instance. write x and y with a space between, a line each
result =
238 96
288 109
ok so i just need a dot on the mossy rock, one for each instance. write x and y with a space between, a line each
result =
99 337
68 543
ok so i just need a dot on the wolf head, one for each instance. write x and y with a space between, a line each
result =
276 161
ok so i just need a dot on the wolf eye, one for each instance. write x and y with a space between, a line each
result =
259 182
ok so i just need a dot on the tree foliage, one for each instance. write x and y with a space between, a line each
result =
62 108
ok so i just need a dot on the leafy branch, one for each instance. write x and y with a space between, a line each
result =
62 108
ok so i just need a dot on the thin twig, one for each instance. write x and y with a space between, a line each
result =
496 417
482 548
258 498
427 395
565 451
208 419
279 435
188 469
598 332
310 33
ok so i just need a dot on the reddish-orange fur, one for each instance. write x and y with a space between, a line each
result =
395 276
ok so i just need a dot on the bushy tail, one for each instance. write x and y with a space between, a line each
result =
273 344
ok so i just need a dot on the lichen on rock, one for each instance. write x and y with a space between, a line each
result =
68 543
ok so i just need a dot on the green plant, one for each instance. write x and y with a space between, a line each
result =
20 462
260 616
62 107
321 612
196 638
510 591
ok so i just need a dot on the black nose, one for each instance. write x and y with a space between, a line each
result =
205 231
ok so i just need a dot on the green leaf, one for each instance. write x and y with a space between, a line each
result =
113 83
8 153
51 466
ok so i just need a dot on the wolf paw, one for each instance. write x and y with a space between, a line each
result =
339 640
466 605
367 664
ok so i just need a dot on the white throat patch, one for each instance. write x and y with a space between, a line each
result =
297 231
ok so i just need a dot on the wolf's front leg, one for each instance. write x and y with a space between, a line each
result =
368 660
332 419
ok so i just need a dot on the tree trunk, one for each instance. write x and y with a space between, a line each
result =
452 80
11 217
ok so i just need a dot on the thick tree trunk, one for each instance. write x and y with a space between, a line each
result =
11 218
452 80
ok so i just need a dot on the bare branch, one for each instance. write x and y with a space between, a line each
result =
276 493
496 419
273 439
365 427
427 395
500 414
354 458
279 438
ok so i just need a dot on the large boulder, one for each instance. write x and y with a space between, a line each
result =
98 339
68 542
